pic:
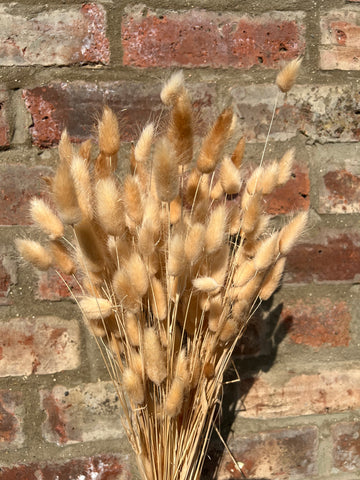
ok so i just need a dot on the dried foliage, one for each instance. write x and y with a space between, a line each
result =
172 261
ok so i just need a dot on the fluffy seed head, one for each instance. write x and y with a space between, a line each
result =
143 146
238 153
266 252
172 88
272 279
215 230
133 386
42 214
205 284
194 243
109 137
291 232
61 257
65 197
285 166
165 170
34 253
154 357
230 177
175 398
158 299
94 308
109 207
287 76
82 182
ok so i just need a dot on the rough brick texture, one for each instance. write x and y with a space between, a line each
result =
317 322
101 467
77 105
18 184
340 40
4 120
52 287
82 414
11 420
346 446
325 392
320 113
41 345
8 275
53 37
277 454
331 256
202 39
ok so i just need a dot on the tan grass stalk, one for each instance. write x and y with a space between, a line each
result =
287 76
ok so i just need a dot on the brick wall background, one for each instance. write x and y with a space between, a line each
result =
296 414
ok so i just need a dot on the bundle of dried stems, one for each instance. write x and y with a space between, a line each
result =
172 263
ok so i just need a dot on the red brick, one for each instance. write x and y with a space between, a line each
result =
340 40
11 419
301 110
200 38
18 184
293 196
339 191
53 37
317 322
84 413
4 122
325 392
52 287
277 454
346 446
330 256
77 105
41 345
101 467
8 276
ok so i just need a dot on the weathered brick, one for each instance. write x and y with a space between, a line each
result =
202 38
340 40
325 392
330 256
8 275
100 467
293 196
346 446
277 454
52 287
11 419
4 120
41 345
77 105
84 413
339 185
32 36
18 184
327 113
317 322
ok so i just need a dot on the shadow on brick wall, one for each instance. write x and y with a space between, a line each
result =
255 353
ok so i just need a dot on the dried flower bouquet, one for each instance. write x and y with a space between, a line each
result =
171 262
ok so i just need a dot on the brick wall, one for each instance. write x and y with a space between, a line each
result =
296 414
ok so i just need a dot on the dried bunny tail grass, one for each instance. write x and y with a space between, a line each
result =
65 148
143 145
34 253
154 356
175 210
175 398
182 366
42 214
217 191
214 142
133 386
272 279
215 230
238 153
285 166
64 193
124 291
180 130
287 76
266 252
109 136
61 257
82 182
158 300
251 213
176 259
269 179
132 329
90 245
96 308
85 151
194 243
244 273
109 207
230 177
205 284
133 200
138 275
172 88
165 170
291 232
253 181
